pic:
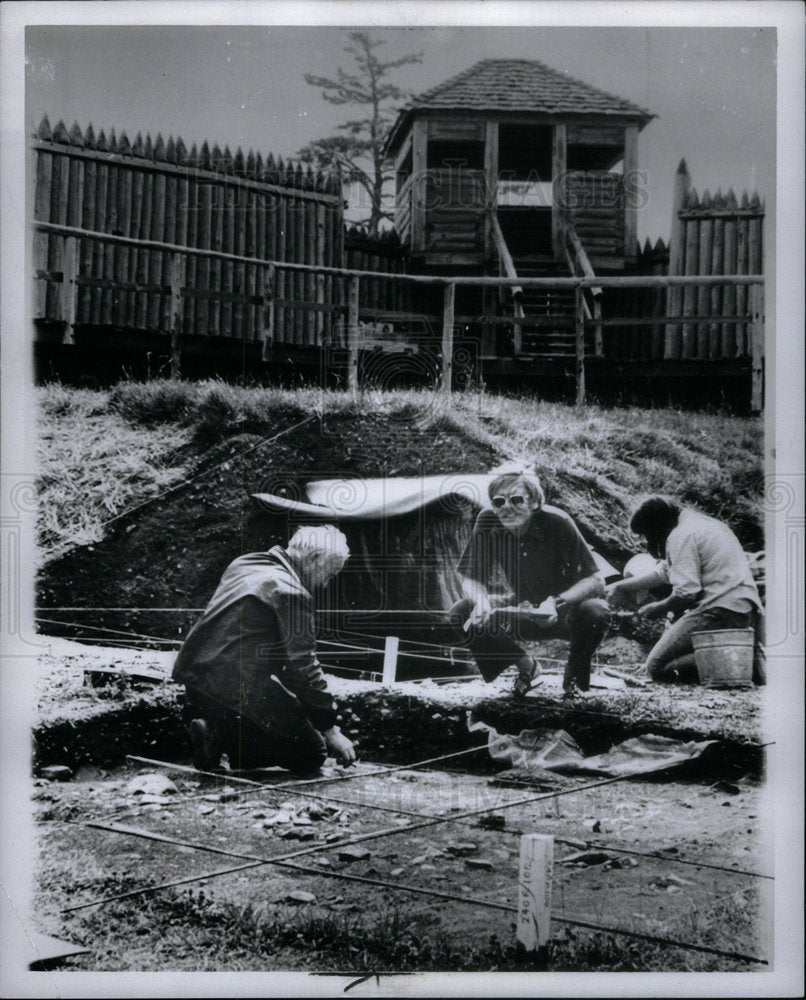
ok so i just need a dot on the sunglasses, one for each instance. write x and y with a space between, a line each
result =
517 500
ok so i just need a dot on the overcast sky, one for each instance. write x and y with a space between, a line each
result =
713 89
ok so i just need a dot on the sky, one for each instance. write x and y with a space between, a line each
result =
713 89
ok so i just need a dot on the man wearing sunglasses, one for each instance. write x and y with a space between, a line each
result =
524 554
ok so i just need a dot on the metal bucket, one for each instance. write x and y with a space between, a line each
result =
724 657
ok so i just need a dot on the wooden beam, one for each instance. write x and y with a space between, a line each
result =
419 173
177 280
579 326
266 278
756 294
447 337
491 183
682 184
559 160
352 334
68 292
631 190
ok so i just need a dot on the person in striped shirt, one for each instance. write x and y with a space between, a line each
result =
712 586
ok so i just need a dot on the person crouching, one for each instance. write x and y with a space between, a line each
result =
254 687
529 552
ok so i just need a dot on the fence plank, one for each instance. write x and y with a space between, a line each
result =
41 254
266 276
137 302
86 248
353 298
692 264
682 184
742 298
717 245
448 307
177 272
704 294
282 283
69 289
756 293
319 257
579 345
155 258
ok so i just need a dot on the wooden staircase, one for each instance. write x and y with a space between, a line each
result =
548 329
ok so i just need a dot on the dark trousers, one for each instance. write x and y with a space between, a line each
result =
495 645
286 740
671 659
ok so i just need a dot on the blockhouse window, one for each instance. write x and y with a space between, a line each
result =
524 152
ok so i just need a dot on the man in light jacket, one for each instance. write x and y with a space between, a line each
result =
712 585
254 687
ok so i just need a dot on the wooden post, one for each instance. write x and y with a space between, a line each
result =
447 337
352 333
534 890
267 335
390 648
320 278
558 187
756 294
419 180
579 324
631 190
714 328
491 185
175 314
682 183
68 295
689 345
703 298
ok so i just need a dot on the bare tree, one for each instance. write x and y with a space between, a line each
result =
358 151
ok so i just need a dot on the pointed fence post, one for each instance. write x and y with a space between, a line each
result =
177 279
534 890
352 334
447 337
579 324
68 294
682 184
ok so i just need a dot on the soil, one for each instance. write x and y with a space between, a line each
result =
717 825
200 527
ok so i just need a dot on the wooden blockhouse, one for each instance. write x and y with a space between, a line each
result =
515 168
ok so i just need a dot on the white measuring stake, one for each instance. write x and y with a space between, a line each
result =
534 889
390 659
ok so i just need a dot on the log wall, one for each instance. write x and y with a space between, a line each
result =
202 198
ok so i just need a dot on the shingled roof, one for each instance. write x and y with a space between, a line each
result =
518 85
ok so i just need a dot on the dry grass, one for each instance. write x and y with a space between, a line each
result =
103 451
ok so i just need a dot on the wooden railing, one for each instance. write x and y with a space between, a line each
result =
177 290
579 263
508 267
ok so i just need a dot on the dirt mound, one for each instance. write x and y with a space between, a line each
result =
170 553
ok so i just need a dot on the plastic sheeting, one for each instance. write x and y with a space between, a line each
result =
556 750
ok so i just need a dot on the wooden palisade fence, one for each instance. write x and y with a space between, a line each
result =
151 238
235 204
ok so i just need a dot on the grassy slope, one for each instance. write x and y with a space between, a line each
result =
104 452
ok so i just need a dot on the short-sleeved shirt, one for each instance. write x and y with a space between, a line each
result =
550 557
705 560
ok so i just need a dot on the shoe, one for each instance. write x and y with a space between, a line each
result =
206 748
525 682
572 691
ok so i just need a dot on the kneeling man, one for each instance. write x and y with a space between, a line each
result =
254 687
529 552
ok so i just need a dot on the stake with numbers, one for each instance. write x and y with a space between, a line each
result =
534 890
